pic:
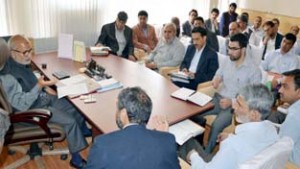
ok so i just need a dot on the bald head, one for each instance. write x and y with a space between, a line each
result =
294 30
233 28
21 49
4 52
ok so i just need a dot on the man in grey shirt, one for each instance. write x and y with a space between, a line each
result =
236 72
169 50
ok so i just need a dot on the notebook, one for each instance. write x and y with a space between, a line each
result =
198 98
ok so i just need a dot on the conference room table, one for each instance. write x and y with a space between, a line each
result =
101 114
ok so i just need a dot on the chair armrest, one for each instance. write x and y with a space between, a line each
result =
38 117
165 71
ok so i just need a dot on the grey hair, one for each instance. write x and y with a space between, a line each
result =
4 52
137 104
259 98
172 25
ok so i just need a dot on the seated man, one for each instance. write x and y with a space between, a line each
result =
290 93
187 26
212 23
134 146
271 39
236 72
212 40
283 59
257 32
295 30
169 50
242 20
118 37
144 36
15 74
200 62
254 134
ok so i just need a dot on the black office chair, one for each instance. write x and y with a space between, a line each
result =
31 127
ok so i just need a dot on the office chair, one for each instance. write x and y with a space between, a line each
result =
273 157
31 127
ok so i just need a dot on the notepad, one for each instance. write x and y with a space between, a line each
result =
198 98
185 130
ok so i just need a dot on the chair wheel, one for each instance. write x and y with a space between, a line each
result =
11 152
63 156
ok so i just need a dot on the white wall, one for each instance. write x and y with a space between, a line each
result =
283 7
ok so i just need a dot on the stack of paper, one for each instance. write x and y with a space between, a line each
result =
180 77
198 98
185 130
76 85
109 84
100 51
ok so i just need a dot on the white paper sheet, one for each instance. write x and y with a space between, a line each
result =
65 46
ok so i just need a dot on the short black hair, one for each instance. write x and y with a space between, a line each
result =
200 30
216 10
233 5
240 38
122 16
296 74
269 23
243 18
143 13
199 18
193 10
291 37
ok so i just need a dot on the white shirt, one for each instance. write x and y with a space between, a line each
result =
250 139
256 36
270 45
195 60
296 47
277 62
291 128
121 40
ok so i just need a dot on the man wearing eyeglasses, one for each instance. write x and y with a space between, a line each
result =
25 91
237 71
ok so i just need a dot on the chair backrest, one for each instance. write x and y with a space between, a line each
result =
4 104
256 53
273 157
222 44
221 58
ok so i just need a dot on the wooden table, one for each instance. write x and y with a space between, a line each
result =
101 115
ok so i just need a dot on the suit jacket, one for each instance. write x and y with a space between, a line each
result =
208 26
278 40
207 65
186 29
134 147
224 23
108 38
212 41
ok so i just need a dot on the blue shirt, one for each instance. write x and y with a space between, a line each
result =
291 128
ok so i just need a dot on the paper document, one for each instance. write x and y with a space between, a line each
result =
185 130
100 51
183 93
109 84
65 46
180 74
79 51
76 85
198 98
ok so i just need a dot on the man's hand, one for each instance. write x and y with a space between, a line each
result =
188 156
42 83
222 136
216 82
98 45
151 65
132 58
225 103
158 122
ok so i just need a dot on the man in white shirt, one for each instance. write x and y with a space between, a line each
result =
242 20
252 105
283 59
169 50
290 93
295 30
257 32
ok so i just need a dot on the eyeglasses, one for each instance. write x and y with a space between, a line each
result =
24 53
233 48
